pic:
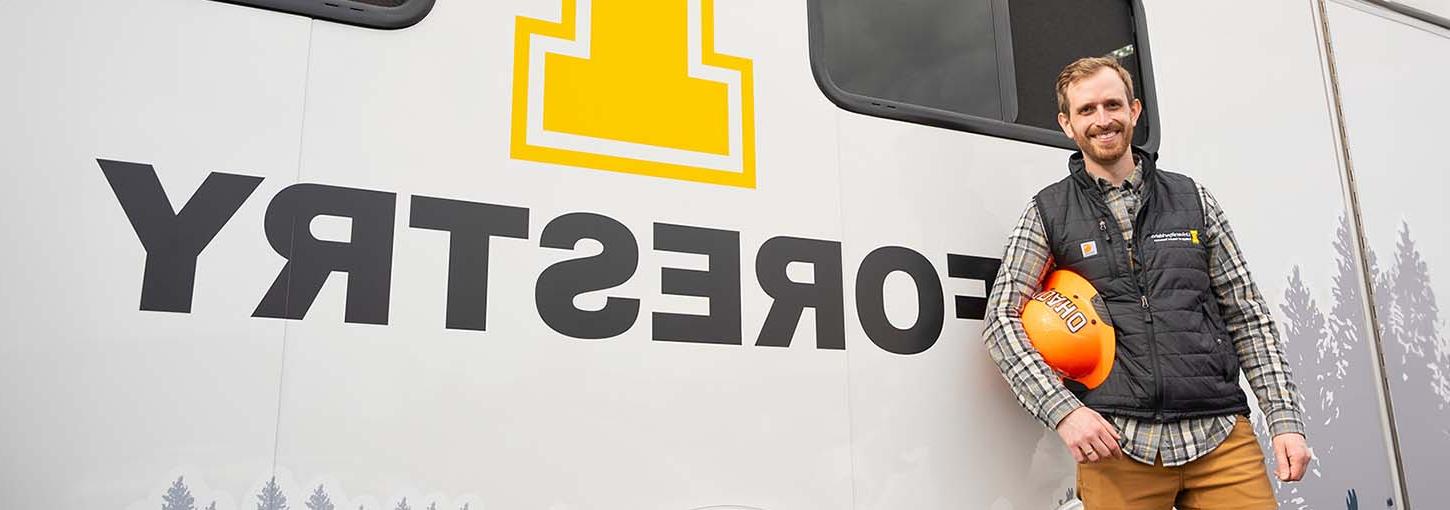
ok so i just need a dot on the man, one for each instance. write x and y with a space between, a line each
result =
1169 425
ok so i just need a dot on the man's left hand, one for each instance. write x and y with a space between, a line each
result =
1291 455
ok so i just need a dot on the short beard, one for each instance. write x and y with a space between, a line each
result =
1089 150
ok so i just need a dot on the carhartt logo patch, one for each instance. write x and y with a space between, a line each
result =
1089 249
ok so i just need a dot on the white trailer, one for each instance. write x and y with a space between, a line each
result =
688 254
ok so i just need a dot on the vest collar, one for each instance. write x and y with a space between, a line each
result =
1146 160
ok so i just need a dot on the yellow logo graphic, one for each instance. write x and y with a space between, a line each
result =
1194 234
633 86
1089 248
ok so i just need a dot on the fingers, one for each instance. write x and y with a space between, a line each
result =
1083 450
1100 448
1088 436
1281 461
1109 437
1094 445
1113 431
1298 463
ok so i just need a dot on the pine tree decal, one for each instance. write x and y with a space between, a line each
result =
1347 323
1414 350
1304 325
271 497
178 497
212 506
319 500
403 505
1415 316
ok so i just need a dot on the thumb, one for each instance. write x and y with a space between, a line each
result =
1281 461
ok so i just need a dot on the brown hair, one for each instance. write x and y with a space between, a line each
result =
1083 68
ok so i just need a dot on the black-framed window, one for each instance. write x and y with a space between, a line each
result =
984 66
384 14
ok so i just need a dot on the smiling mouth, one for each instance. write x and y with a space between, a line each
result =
1106 136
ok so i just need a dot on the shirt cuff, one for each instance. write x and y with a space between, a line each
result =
1281 421
1056 406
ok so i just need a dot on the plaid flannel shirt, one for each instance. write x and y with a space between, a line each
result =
1028 258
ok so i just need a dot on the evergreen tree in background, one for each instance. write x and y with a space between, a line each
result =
319 500
271 497
178 497
1414 319
403 505
1414 358
1304 325
1413 309
1347 323
212 506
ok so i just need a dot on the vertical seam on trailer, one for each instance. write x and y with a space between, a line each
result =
1336 105
841 218
292 239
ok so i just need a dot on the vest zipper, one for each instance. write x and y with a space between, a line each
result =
1137 241
1108 240
1152 341
1136 276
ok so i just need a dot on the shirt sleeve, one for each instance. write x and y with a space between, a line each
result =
1255 337
1027 259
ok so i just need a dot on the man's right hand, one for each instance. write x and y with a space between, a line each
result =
1089 436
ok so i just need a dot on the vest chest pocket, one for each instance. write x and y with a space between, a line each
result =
1174 243
1090 258
1175 238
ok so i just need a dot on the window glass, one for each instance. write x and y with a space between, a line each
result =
1049 34
934 53
987 66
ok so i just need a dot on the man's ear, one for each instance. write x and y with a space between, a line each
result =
1137 110
1062 121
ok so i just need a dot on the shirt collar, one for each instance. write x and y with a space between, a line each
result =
1134 180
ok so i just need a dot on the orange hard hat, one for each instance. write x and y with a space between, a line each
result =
1066 323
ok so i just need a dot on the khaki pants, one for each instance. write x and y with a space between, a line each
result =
1232 476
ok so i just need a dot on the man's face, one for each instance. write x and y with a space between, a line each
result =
1099 117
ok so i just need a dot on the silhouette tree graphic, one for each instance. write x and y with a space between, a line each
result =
1304 325
1413 310
319 500
271 497
1415 357
1332 363
178 497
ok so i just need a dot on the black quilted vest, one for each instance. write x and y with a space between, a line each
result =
1175 359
